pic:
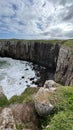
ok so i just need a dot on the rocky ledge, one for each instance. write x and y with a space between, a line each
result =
38 108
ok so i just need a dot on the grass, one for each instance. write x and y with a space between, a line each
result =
26 96
61 121
62 118
38 40
68 43
3 101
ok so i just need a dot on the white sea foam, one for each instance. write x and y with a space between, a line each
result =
14 77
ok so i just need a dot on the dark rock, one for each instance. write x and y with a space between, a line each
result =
32 78
26 81
22 77
26 69
28 85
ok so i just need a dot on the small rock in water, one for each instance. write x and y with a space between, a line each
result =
26 81
28 85
32 78
26 69
22 77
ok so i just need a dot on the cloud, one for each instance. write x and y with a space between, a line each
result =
36 18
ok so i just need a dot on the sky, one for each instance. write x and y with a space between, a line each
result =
36 19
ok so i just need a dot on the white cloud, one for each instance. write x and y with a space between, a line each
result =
36 18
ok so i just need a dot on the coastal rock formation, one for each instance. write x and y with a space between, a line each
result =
58 58
64 69
7 120
38 52
43 105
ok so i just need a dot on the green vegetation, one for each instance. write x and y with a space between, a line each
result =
20 126
3 101
38 40
61 121
26 96
68 43
62 117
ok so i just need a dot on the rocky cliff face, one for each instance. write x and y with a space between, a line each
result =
64 69
51 55
38 52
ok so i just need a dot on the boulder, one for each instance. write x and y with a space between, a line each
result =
50 84
7 120
42 102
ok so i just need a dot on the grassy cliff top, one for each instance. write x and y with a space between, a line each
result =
68 43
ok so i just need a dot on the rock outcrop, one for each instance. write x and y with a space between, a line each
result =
43 105
24 115
50 84
7 120
64 69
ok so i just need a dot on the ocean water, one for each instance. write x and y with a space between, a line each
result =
16 76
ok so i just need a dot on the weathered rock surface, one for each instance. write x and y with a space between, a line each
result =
43 105
50 84
24 114
7 120
39 52
64 70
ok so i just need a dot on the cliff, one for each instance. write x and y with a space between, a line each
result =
53 55
38 52
64 69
